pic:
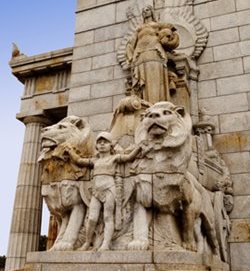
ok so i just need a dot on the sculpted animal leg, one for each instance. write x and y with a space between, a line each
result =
109 207
63 223
73 228
188 229
142 219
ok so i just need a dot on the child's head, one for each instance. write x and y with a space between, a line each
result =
104 143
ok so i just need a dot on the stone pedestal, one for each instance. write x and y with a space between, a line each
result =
122 260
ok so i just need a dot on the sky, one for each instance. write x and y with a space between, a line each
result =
36 27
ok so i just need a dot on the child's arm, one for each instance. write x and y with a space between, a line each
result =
129 157
82 162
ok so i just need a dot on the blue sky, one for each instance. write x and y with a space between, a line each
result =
36 27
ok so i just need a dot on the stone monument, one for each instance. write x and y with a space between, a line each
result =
124 149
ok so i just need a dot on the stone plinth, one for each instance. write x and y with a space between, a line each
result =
122 260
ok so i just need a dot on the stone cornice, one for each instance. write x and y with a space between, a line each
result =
23 66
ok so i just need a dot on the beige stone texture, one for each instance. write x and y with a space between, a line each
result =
228 51
94 18
221 69
232 142
214 8
244 32
84 38
109 88
91 107
234 84
225 104
100 122
207 89
224 36
230 20
240 260
82 65
79 93
240 231
235 122
92 77
93 49
246 64
207 56
241 207
238 162
110 32
105 60
241 184
242 4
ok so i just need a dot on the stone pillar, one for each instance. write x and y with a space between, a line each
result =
26 217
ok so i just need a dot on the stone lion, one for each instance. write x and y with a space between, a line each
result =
163 181
63 183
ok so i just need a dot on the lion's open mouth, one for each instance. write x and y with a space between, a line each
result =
157 128
48 143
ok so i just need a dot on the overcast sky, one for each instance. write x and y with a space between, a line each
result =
36 27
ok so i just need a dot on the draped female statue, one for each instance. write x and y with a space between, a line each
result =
146 53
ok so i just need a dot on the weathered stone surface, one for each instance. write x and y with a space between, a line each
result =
94 49
232 142
240 231
223 37
100 122
238 162
241 207
82 65
228 51
105 60
229 85
84 38
110 32
91 257
241 184
221 69
235 122
225 104
92 107
240 260
246 64
244 32
91 77
207 89
109 88
79 93
230 20
242 4
94 18
207 56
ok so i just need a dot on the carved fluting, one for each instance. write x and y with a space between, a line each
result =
26 219
29 87
62 79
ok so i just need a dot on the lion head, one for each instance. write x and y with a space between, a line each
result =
70 133
165 121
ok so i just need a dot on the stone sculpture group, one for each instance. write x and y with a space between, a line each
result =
159 185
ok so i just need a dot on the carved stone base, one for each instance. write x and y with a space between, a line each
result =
122 260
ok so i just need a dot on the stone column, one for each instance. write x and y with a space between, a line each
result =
26 217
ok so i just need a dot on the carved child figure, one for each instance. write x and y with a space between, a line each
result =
103 188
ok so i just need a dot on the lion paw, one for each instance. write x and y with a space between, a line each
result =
189 246
63 246
104 247
138 245
84 247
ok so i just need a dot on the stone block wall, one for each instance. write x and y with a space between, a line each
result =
97 82
224 90
97 85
